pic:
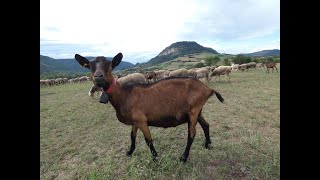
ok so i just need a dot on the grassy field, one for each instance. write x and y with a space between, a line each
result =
81 138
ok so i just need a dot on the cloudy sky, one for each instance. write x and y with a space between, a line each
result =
141 29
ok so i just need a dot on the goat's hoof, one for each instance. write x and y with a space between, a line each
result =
208 146
183 159
154 159
129 153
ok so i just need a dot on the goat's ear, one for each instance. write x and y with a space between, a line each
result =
116 60
82 61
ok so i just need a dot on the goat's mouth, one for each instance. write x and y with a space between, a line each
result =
100 83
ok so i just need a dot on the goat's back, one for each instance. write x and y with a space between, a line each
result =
168 96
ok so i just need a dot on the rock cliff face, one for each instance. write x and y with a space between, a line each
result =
169 51
179 49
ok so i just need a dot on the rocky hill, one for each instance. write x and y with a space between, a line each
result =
179 49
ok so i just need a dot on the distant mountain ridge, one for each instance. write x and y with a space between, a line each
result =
271 52
179 49
175 50
48 64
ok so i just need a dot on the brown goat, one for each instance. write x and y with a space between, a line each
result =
165 103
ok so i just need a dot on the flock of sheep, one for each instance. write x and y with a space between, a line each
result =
52 82
205 72
148 77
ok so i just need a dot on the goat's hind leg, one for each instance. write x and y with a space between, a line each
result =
205 126
133 140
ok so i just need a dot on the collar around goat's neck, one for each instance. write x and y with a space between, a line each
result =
113 85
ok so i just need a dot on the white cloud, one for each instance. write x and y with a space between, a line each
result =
148 26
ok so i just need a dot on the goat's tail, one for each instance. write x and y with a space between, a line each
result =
219 96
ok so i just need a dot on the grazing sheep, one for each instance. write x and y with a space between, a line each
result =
210 68
65 80
270 65
83 79
192 73
234 67
161 74
77 80
243 67
203 73
56 81
133 78
44 83
165 103
179 73
221 70
259 65
251 65
59 81
52 82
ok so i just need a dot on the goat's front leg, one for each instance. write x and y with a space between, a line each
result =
147 136
133 140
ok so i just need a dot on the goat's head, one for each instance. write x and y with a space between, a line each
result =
100 69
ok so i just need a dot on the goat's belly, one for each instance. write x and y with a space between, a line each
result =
124 120
168 121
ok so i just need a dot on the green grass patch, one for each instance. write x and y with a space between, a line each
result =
81 138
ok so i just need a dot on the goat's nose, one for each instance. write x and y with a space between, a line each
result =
98 74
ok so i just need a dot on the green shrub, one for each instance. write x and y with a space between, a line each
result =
226 62
199 65
211 60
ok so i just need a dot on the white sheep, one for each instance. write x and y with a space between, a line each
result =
44 83
161 74
221 70
179 73
192 73
251 65
134 77
203 73
234 67
243 67
260 65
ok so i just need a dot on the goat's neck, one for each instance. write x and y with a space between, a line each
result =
117 97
